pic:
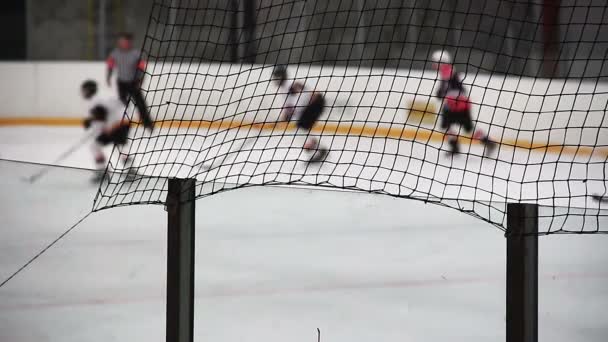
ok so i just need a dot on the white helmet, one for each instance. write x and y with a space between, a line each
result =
441 56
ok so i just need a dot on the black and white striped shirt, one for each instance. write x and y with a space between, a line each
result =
127 63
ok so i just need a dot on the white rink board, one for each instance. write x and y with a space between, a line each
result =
568 112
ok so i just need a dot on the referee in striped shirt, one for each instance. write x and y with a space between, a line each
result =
130 72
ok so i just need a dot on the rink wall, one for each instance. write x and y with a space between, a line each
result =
517 108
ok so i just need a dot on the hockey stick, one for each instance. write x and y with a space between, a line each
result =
343 107
31 179
233 152
420 112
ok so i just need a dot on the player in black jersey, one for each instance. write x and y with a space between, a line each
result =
456 104
305 106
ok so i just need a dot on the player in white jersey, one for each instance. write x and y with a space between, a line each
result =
305 106
105 120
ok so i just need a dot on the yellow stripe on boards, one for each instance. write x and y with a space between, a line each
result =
38 121
394 131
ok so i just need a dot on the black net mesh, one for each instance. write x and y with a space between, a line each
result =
518 88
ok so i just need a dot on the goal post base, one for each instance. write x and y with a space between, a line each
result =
522 272
180 260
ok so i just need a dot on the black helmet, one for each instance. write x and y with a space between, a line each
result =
279 73
89 88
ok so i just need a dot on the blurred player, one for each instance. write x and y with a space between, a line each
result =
130 73
456 104
305 106
105 119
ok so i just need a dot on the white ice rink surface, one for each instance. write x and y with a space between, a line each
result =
273 264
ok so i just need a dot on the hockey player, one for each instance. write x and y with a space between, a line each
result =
305 106
105 120
456 104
